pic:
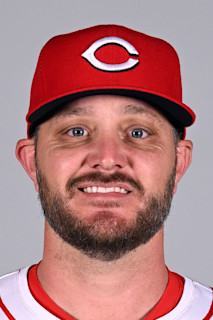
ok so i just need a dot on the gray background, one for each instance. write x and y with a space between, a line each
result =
24 28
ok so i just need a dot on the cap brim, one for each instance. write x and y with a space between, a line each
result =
178 114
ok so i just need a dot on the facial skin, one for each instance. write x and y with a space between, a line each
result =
106 142
105 237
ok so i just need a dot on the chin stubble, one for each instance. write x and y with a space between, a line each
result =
96 239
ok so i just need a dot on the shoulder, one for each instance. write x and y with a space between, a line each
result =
198 293
196 303
12 286
16 301
10 295
8 283
202 299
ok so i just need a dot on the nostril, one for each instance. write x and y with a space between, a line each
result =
107 155
96 165
107 166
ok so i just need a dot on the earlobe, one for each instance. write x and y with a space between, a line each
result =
25 153
184 157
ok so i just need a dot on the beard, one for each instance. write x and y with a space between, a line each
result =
100 238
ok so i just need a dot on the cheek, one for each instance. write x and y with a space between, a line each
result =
59 166
153 169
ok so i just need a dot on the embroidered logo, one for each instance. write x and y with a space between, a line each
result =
89 55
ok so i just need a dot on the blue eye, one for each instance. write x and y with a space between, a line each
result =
77 132
138 133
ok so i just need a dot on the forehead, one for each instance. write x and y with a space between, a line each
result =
104 104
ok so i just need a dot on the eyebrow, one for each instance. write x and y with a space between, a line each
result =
73 111
141 110
130 109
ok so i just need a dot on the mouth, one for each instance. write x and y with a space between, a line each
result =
103 190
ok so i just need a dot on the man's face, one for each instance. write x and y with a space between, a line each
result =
106 173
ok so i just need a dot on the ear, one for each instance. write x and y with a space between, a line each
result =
184 157
25 153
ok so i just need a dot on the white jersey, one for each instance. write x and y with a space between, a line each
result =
17 302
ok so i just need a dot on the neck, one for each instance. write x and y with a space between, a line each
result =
139 278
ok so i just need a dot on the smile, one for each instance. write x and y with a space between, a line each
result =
94 189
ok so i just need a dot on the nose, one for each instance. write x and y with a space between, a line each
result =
108 154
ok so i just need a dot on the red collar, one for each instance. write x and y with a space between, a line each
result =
168 301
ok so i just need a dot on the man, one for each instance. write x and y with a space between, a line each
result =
106 149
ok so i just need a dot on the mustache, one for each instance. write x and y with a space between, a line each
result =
100 177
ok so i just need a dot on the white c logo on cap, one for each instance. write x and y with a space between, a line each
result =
89 55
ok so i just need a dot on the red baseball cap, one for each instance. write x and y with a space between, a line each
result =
107 59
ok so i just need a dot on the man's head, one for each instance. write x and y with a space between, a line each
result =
106 186
106 162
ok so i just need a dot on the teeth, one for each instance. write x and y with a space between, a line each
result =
95 189
101 190
89 189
